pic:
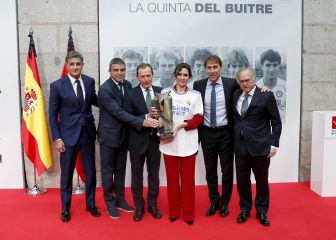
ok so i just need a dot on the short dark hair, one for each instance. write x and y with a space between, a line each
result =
199 55
213 58
74 54
143 66
132 54
180 66
116 61
270 55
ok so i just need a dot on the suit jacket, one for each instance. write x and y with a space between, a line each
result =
261 125
138 139
113 119
229 85
63 102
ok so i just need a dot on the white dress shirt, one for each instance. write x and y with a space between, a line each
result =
74 84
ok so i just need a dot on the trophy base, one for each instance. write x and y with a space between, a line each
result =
167 135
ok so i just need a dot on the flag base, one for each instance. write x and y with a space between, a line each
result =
36 191
79 190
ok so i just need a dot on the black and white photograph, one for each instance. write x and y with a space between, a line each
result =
235 59
271 71
132 56
195 57
163 61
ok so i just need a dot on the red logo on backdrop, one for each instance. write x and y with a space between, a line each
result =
333 123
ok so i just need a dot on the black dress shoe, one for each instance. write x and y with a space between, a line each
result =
155 212
224 211
124 206
65 216
263 219
212 209
113 212
243 217
139 212
172 219
190 223
93 210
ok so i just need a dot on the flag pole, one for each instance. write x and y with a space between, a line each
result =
79 190
36 190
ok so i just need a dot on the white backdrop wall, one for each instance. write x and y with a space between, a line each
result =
11 169
219 26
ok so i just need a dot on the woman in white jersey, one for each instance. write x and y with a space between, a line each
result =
179 153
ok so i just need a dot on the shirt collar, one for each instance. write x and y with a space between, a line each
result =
175 88
250 92
117 83
218 81
144 89
72 79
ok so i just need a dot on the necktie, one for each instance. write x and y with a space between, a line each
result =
121 89
148 99
244 106
80 95
213 120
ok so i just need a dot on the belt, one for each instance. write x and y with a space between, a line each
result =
216 128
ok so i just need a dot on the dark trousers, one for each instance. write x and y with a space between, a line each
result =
113 169
181 186
86 146
218 142
152 158
259 165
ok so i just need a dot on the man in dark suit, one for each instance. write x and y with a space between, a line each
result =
257 130
112 132
216 132
73 129
143 144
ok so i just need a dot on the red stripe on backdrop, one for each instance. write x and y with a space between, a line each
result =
31 148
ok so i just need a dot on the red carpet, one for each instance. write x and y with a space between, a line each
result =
295 213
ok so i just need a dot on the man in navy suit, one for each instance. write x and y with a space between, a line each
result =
257 130
112 136
73 130
143 144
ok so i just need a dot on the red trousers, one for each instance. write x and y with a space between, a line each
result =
181 196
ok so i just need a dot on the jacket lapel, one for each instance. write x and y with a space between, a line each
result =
115 90
235 101
87 91
68 86
203 87
254 101
226 93
140 97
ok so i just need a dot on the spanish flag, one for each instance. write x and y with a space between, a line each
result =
35 135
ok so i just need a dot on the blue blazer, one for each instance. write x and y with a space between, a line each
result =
113 118
63 103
